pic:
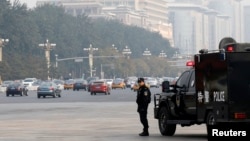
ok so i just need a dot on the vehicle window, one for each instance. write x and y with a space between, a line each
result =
192 81
183 79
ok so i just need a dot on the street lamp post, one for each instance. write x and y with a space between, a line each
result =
162 54
90 50
2 44
47 46
56 55
126 52
114 48
146 53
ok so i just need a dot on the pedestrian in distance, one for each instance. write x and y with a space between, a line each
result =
143 100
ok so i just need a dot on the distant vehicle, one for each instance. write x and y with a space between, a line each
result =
109 82
92 78
69 84
100 86
16 88
59 83
152 82
48 89
129 81
80 84
5 85
118 83
27 82
89 84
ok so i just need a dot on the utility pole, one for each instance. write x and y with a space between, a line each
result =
90 50
47 46
2 44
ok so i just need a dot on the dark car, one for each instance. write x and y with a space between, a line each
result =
48 89
16 88
80 84
100 86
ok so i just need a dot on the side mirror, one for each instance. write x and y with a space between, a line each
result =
165 86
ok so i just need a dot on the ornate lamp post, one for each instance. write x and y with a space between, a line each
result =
162 54
47 46
3 42
126 52
146 53
90 50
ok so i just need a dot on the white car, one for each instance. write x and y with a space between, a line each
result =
5 85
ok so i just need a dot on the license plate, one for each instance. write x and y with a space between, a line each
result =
97 87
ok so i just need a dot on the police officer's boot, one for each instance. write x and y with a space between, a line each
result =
145 132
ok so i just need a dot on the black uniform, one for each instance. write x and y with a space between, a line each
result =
143 100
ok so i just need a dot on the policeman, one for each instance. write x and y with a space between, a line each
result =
143 100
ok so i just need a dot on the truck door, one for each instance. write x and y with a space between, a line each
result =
239 84
185 97
190 97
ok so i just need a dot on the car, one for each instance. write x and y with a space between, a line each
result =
129 81
28 82
5 85
109 82
48 88
152 82
59 83
118 83
16 88
69 84
80 84
100 86
89 84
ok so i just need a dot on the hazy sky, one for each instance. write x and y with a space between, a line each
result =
30 3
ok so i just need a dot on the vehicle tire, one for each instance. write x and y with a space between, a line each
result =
38 96
7 95
210 122
44 96
12 94
91 93
59 95
165 129
74 89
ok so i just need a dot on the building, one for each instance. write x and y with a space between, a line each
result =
196 26
148 14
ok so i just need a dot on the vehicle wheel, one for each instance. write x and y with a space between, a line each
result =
74 89
21 93
12 94
165 129
38 96
7 95
44 96
91 93
59 95
210 122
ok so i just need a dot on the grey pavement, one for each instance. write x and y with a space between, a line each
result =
83 121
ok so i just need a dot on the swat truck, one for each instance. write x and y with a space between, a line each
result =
214 91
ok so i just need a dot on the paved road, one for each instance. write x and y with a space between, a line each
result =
77 116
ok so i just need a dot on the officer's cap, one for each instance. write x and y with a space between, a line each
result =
140 80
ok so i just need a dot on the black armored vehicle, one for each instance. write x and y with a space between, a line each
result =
215 91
